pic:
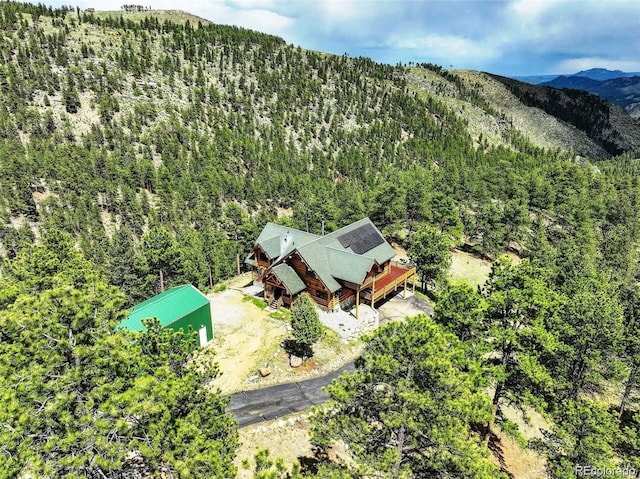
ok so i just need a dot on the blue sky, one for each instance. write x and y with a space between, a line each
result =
509 37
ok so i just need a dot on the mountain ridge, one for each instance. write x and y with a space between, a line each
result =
601 74
145 100
619 88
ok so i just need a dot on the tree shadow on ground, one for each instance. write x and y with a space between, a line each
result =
293 348
495 446
309 465
629 419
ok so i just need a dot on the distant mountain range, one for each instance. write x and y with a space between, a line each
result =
602 74
617 87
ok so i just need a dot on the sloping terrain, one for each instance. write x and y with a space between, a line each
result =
153 121
622 91
492 119
159 146
605 124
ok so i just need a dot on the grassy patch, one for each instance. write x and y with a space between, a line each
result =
259 303
469 268
332 339
422 295
282 314
219 288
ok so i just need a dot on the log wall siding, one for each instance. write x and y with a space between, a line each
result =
312 281
346 294
315 285
260 258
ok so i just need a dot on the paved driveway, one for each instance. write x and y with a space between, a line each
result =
273 402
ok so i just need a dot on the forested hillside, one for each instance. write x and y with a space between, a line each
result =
622 89
162 147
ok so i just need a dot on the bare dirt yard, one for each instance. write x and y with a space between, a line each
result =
471 268
243 336
248 337
287 438
468 267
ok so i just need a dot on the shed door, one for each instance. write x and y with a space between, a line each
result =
203 335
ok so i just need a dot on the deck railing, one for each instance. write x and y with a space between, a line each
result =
370 293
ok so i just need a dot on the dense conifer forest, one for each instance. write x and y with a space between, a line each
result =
139 153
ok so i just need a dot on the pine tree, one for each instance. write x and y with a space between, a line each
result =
430 251
82 400
70 96
408 408
305 323
520 305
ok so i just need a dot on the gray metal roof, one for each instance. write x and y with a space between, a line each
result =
272 237
289 278
327 255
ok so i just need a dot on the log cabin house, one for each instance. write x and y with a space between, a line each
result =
349 266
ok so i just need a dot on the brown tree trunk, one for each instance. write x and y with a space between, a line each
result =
400 448
497 395
628 387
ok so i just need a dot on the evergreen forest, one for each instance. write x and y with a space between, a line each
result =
141 151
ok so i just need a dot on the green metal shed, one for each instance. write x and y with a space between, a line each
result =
177 308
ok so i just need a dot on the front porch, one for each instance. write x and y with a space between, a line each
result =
276 296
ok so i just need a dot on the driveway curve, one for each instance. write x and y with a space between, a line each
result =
273 402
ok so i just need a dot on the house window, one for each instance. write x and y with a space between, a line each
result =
321 294
310 272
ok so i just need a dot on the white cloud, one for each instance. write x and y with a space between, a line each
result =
505 36
574 65
253 4
448 47
531 10
263 20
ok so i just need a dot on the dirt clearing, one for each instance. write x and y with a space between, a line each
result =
287 438
469 268
247 338
243 336
472 269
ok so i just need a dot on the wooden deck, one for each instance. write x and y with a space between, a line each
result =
388 283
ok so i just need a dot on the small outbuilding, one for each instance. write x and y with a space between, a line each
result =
179 308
